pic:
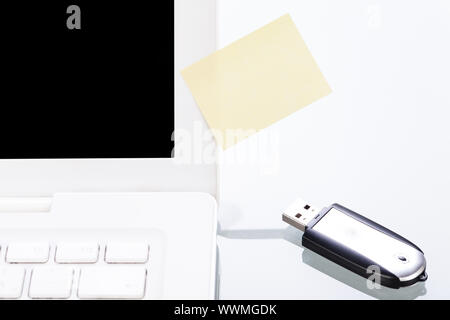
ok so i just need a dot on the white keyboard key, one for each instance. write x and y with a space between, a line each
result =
77 253
11 282
51 283
27 253
126 253
112 282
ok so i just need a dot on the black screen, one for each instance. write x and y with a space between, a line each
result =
90 83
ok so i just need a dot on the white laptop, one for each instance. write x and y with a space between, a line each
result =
92 205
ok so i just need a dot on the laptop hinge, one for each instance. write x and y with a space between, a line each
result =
25 204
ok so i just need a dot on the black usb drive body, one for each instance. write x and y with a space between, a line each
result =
358 244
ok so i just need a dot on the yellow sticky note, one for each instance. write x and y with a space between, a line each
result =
256 81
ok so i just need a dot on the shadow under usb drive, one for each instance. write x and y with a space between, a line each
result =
326 266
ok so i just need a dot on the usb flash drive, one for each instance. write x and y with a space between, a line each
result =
357 243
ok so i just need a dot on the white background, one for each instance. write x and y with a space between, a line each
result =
379 144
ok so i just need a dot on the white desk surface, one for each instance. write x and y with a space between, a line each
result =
379 144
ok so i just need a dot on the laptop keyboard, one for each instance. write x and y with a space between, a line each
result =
68 269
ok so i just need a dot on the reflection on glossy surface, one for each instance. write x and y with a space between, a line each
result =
328 267
359 283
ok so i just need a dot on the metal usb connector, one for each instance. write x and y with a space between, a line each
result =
299 214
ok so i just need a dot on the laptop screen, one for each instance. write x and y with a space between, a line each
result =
87 79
